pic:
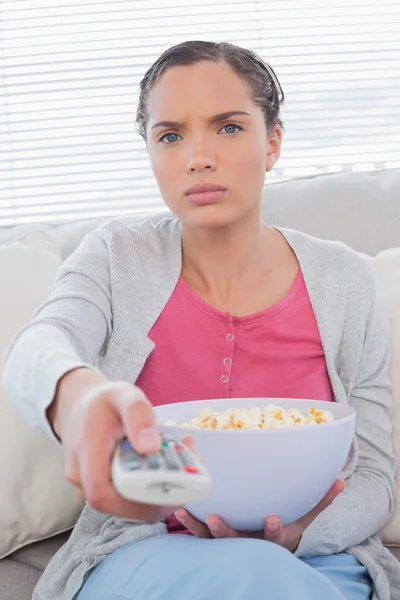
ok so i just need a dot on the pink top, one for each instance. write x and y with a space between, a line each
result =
203 353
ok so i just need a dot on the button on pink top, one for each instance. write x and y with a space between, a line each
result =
203 353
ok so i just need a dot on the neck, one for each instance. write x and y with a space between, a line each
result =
222 260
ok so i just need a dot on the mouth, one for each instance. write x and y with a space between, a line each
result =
205 193
206 197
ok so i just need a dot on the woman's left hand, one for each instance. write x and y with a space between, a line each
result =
287 536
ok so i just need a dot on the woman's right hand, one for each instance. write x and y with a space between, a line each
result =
91 415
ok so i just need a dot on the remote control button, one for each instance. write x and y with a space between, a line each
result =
185 457
132 463
190 469
153 461
129 451
134 466
130 459
171 460
169 440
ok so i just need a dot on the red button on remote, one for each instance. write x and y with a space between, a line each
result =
179 447
190 469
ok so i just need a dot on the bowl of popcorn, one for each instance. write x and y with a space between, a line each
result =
265 456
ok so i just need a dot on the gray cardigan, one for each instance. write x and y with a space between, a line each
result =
108 295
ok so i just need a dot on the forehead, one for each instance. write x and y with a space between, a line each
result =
205 88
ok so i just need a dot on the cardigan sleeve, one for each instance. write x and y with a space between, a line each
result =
67 332
367 502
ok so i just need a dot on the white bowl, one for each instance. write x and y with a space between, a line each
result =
257 473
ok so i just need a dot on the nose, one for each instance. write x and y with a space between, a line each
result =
200 158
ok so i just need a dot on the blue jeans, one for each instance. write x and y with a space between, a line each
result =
182 567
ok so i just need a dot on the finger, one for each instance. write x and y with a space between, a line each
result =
219 529
72 469
273 530
138 419
94 464
94 461
326 501
80 492
198 528
188 440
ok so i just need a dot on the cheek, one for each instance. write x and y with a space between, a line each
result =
164 167
251 166
169 180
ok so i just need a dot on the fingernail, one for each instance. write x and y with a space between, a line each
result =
148 440
273 526
180 516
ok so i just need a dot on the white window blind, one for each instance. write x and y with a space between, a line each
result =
69 81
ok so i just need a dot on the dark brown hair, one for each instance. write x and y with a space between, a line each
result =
266 89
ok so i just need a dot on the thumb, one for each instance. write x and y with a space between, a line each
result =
326 501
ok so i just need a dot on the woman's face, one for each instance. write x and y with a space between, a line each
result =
198 147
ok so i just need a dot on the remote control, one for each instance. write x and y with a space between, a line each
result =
171 477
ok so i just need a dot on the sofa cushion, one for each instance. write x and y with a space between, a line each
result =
36 501
360 209
17 581
20 572
387 272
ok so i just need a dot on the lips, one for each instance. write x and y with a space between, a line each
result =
210 196
201 188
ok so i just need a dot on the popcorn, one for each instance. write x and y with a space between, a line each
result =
297 417
211 421
321 416
271 417
240 421
205 412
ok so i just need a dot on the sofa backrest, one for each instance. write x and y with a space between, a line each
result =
360 209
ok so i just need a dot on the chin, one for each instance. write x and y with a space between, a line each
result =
209 217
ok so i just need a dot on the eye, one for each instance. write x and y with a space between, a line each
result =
232 125
168 135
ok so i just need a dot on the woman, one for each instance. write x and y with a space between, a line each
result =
163 307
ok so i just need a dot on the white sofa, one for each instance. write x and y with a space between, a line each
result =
361 209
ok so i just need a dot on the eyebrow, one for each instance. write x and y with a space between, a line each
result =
212 120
